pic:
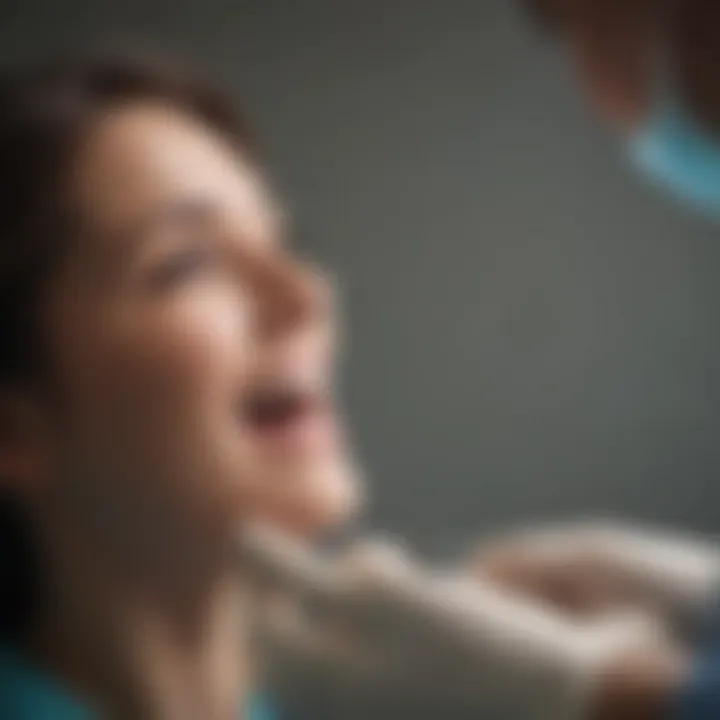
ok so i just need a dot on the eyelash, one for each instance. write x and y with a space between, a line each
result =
182 266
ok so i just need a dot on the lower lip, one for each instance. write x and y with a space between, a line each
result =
310 431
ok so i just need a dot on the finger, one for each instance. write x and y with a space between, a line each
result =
555 567
613 44
538 578
620 46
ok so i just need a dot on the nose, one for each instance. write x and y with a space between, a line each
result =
290 295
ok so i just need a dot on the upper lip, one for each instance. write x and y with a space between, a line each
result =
296 386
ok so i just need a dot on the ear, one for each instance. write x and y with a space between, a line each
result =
24 447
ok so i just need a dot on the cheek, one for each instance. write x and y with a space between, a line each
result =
153 364
145 395
197 345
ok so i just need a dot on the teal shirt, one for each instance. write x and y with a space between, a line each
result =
28 694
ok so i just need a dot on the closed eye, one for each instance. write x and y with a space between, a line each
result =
182 266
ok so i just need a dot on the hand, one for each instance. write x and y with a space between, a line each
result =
592 568
619 46
383 617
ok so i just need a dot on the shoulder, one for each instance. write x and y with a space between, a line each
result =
26 693
263 708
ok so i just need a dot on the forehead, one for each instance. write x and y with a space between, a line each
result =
142 156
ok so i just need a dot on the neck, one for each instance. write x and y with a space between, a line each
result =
146 647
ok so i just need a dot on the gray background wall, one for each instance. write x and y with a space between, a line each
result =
534 332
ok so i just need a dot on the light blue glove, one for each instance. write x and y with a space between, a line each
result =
673 150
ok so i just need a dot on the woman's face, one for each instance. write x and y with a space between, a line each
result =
194 351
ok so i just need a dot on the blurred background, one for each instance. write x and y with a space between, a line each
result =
533 333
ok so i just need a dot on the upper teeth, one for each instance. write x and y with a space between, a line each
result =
301 379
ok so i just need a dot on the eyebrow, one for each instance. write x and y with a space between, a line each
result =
188 207
200 209
120 244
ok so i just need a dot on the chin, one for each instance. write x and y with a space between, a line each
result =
317 499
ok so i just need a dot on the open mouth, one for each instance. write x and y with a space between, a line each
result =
273 408
286 412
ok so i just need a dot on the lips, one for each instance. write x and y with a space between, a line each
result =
288 414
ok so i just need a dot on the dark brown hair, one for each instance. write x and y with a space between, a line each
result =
46 111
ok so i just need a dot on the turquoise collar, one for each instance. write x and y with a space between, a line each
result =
26 693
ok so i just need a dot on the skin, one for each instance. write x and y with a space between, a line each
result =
177 296
616 47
